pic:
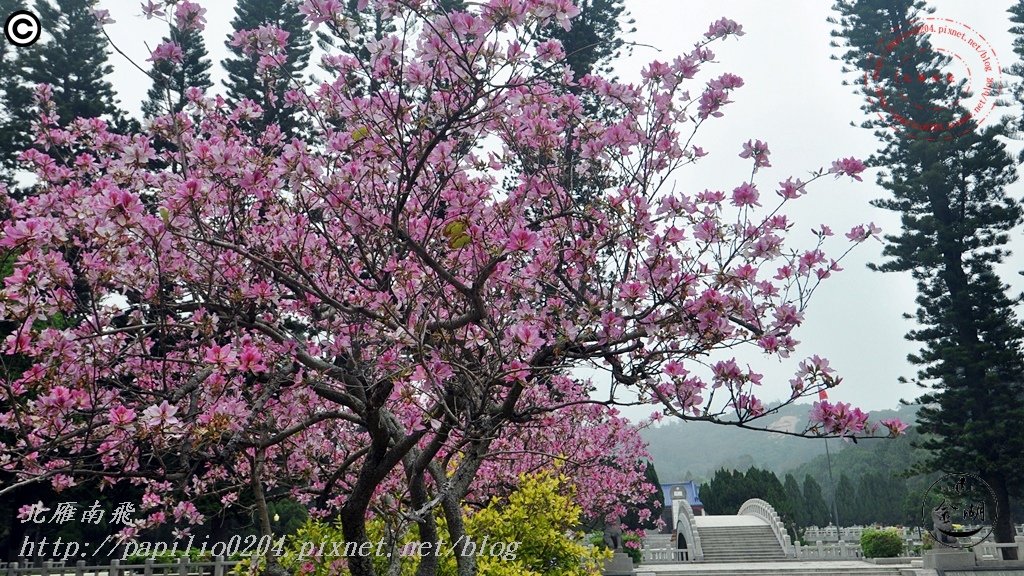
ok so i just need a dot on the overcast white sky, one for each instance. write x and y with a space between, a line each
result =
793 99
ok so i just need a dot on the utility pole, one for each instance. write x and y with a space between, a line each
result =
832 487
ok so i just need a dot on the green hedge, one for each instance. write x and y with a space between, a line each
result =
881 543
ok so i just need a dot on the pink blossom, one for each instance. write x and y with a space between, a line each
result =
550 51
102 16
848 166
862 232
190 16
320 11
895 426
711 100
61 482
152 9
60 399
785 271
726 371
710 197
674 369
169 51
787 316
724 27
706 230
150 500
726 81
685 67
815 365
521 239
758 151
791 189
745 195
632 290
121 415
527 335
160 415
222 356
839 418
251 360
748 404
189 512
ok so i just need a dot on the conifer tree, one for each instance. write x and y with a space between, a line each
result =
1017 68
73 61
72 58
171 78
947 179
8 137
847 502
267 87
796 500
814 503
596 37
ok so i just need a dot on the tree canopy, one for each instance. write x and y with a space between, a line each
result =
388 317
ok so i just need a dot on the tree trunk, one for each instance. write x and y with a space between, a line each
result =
427 526
353 527
1002 525
457 528
273 568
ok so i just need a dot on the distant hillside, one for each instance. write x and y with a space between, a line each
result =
694 450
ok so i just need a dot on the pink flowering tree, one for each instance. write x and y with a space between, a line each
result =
391 315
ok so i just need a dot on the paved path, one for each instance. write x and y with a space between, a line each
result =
800 566
728 521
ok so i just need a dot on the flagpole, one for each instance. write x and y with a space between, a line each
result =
832 487
822 396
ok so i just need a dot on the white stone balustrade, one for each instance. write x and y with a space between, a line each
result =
763 510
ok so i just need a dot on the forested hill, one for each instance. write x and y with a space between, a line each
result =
694 450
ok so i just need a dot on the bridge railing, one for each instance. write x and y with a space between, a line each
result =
664 555
763 510
687 526
827 550
183 567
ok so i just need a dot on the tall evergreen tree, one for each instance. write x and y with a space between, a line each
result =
73 61
729 489
654 503
8 136
171 79
882 498
1017 68
847 502
72 58
268 90
947 179
796 501
814 503
596 37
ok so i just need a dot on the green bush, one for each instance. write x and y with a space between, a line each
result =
631 544
529 533
881 543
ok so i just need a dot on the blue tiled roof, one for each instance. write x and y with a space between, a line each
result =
691 488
